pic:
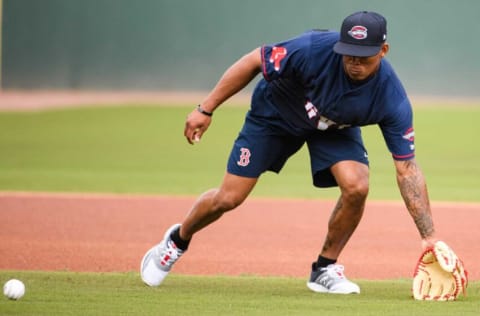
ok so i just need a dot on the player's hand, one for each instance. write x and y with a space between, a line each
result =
195 125
428 243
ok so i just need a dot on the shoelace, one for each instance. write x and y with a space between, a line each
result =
335 271
170 254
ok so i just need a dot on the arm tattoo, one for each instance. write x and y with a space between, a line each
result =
414 192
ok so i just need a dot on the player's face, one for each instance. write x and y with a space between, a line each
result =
360 68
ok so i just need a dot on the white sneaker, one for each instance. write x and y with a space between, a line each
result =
158 261
331 280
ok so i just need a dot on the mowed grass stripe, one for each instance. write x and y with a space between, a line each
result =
67 293
141 149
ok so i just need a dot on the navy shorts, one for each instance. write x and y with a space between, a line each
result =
263 145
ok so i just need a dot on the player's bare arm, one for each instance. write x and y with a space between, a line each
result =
411 183
232 81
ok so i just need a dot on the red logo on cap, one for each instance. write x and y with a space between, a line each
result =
358 32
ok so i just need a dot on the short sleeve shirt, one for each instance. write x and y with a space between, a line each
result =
304 80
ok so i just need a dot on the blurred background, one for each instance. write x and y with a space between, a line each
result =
186 44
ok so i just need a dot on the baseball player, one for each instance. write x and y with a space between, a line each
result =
317 88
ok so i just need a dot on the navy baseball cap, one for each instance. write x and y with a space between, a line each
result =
362 35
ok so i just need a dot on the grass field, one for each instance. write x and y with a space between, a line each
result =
142 150
65 293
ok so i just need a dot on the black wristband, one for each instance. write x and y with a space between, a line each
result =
199 109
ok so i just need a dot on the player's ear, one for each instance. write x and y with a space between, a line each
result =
384 50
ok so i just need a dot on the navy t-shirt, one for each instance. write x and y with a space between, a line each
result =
305 82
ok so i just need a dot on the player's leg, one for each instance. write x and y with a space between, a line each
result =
352 179
211 205
256 150
327 276
339 159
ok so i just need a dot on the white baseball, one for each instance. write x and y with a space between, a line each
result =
14 289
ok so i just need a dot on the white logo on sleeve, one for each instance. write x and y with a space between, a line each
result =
409 134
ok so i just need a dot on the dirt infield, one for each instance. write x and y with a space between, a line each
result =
34 100
103 233
21 100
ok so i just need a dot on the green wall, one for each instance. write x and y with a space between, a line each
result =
183 45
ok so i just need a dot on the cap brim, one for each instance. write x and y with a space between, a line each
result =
355 50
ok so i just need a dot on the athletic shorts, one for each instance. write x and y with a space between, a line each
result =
263 145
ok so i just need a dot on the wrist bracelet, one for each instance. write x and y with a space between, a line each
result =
199 109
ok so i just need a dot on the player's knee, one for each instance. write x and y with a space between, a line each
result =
224 202
356 191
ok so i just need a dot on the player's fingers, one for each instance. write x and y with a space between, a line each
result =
189 131
197 135
187 134
195 125
193 135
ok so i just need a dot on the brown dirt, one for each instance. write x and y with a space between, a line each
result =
104 233
35 100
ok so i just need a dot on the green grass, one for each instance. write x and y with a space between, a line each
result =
445 148
141 149
67 293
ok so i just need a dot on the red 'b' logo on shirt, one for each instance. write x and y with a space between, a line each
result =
278 53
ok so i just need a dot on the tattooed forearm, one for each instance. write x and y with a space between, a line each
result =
424 224
414 192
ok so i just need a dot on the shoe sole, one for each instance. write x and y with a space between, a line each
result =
315 287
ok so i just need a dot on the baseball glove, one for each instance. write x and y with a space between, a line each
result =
439 275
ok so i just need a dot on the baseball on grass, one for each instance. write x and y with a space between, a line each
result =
14 289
